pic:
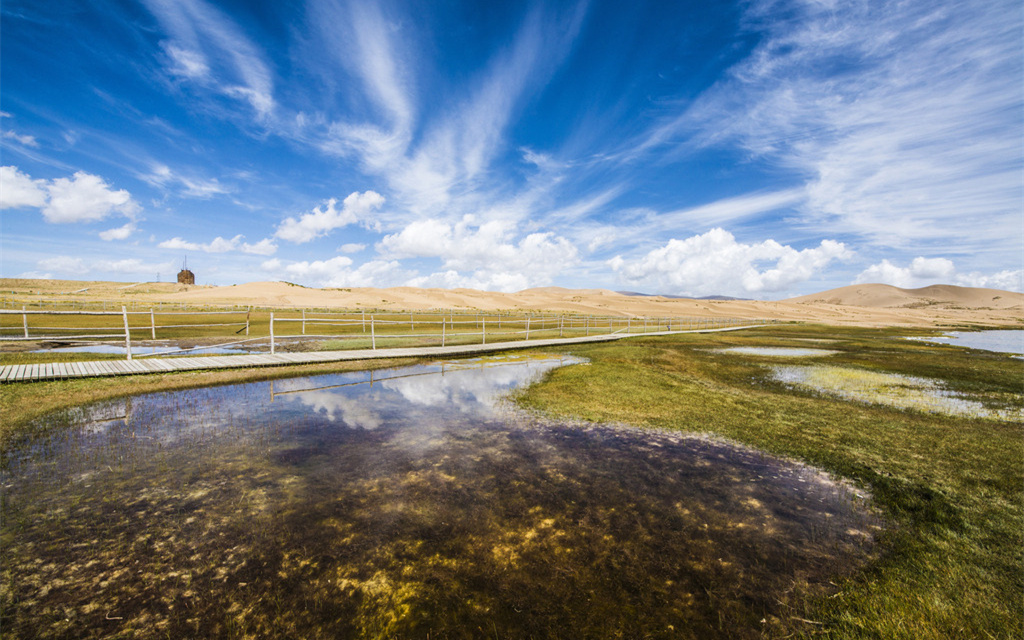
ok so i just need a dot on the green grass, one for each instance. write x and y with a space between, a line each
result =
953 487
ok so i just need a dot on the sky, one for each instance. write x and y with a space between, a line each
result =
758 149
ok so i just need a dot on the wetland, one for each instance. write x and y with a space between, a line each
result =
409 502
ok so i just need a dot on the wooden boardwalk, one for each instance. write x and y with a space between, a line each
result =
100 368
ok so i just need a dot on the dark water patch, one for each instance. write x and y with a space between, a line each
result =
421 505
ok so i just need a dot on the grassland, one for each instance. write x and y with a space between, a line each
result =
953 561
953 487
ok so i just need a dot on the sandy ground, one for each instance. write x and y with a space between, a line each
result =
865 305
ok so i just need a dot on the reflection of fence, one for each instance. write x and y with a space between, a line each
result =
326 329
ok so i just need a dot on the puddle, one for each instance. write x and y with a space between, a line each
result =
1002 341
896 390
412 502
784 352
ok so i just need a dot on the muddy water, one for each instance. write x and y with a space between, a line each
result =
419 506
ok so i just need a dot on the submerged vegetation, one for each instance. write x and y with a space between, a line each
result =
953 564
608 530
411 503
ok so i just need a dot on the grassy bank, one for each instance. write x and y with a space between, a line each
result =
953 565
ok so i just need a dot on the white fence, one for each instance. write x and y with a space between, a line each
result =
331 329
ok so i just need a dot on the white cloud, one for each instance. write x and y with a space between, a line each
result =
715 263
899 116
338 272
74 266
25 140
264 247
207 48
162 176
20 190
484 256
922 272
1008 280
118 233
86 198
187 63
357 207
352 247
63 264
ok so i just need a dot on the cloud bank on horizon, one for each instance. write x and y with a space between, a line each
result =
763 148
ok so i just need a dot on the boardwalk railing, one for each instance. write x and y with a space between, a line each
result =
323 330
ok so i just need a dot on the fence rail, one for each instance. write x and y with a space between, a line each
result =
326 329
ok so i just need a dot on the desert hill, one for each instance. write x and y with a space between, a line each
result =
939 295
864 305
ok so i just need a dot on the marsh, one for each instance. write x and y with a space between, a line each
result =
413 502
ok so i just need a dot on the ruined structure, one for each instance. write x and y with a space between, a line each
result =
185 276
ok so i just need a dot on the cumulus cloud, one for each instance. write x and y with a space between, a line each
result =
715 263
922 272
264 247
118 233
484 256
81 198
357 207
338 272
20 190
86 198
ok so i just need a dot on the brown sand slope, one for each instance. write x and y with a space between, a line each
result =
865 305
939 295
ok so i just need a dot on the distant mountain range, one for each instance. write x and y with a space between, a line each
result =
675 297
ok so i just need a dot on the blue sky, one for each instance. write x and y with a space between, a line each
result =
760 149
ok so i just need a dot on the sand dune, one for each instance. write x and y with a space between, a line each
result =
940 295
866 305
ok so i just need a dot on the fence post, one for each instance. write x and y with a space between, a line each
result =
483 332
373 335
561 323
248 310
152 322
24 320
271 332
443 323
303 322
363 311
127 336
527 327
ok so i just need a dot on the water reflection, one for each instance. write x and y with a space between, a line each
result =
421 505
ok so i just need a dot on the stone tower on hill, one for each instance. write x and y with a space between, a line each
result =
185 276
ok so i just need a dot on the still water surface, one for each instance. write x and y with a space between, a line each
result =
1002 341
419 505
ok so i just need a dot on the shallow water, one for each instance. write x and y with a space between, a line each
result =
893 389
782 352
416 503
1002 341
